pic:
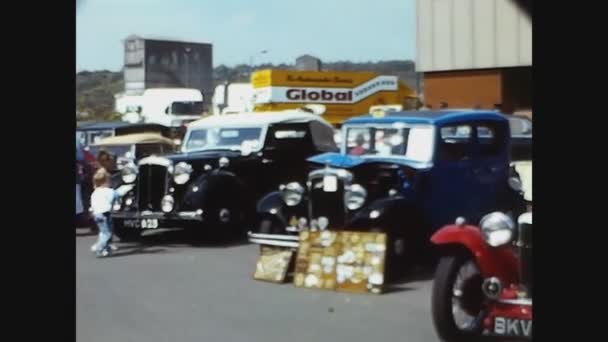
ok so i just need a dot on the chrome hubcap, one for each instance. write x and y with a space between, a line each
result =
467 296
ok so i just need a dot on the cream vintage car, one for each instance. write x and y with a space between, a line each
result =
129 148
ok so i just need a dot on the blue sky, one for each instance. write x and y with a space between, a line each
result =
356 30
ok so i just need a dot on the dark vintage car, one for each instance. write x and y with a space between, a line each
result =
227 162
404 173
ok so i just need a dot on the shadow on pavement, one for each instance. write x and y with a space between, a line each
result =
131 250
418 273
181 238
85 231
393 288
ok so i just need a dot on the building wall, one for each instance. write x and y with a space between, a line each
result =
509 87
472 34
151 63
177 64
517 89
134 67
463 89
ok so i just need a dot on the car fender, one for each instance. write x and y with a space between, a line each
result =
498 262
272 205
382 212
217 187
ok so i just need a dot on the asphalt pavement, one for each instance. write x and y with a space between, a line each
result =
169 287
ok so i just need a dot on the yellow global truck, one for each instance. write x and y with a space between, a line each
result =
343 93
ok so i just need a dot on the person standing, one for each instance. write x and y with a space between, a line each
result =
102 199
108 162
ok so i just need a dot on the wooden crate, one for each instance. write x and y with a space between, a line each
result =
341 260
273 264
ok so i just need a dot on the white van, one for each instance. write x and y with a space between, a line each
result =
171 107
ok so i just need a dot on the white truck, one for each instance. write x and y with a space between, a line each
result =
237 99
171 107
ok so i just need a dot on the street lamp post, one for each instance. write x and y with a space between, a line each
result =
187 51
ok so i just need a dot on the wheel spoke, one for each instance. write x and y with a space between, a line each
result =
462 319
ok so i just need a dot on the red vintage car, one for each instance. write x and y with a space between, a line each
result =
483 282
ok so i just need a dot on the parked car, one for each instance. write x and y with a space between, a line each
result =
403 173
89 133
132 147
521 138
483 282
521 153
226 163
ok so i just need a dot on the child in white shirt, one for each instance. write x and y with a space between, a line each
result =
102 199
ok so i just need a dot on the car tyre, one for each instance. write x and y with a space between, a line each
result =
442 300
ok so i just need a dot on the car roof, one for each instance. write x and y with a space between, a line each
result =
256 119
96 126
137 138
436 117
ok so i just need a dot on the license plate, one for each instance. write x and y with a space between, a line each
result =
512 327
143 223
330 184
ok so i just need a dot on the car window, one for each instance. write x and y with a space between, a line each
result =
96 136
197 139
488 140
419 144
187 108
224 138
413 142
455 142
520 126
358 141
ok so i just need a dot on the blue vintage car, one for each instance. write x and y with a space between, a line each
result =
404 173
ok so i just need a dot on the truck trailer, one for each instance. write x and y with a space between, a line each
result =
343 93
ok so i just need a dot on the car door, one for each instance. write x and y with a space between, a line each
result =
490 165
452 186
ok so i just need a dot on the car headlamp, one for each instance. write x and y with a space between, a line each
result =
167 204
116 206
181 173
129 173
292 193
355 197
497 229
